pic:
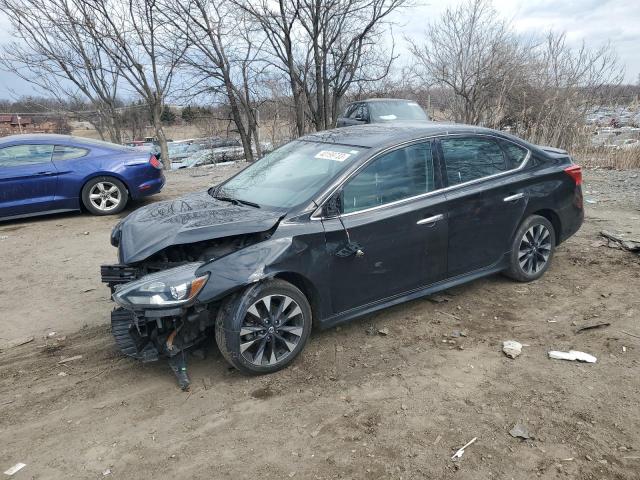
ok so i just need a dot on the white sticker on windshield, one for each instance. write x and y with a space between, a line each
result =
331 155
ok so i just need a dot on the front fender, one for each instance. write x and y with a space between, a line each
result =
244 267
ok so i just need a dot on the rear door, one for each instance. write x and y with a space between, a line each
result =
28 179
484 203
394 214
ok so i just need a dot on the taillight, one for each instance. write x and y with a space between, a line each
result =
575 172
155 162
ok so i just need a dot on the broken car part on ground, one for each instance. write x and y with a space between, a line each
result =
331 227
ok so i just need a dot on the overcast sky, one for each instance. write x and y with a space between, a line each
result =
594 21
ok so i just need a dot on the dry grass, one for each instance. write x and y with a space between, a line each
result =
608 158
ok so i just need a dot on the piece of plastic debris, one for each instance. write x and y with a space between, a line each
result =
520 431
573 355
63 374
511 348
70 359
624 349
592 327
51 334
106 472
383 331
15 469
460 452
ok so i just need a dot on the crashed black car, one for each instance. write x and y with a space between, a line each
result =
330 227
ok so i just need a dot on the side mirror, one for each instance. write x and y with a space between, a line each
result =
333 206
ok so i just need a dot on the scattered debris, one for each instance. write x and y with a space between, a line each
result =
590 200
460 452
85 233
520 431
106 472
17 342
437 440
70 359
63 374
458 333
592 327
383 331
15 469
371 330
632 245
624 349
4 237
573 355
511 348
51 334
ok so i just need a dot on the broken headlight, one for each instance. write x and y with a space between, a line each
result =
175 286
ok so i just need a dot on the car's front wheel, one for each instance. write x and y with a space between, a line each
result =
104 196
264 328
532 249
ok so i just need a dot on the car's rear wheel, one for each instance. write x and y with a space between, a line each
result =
532 250
104 196
264 328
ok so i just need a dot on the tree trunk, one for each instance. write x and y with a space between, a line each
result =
160 136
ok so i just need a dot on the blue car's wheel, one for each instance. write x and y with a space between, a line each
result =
104 196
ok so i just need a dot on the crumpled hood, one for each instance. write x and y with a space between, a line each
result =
192 218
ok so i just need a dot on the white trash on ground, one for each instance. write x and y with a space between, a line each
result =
574 355
511 348
15 469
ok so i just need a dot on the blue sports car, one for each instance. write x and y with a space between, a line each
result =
57 173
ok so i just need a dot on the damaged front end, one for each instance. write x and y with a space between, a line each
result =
158 313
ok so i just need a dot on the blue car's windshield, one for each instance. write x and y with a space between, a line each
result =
290 175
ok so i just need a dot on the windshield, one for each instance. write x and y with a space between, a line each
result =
389 111
290 175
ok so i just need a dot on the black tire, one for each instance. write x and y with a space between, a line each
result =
116 190
234 318
532 249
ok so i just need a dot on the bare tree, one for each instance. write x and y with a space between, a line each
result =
58 55
134 35
470 51
224 56
324 47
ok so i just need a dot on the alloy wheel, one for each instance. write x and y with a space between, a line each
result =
535 249
271 330
105 196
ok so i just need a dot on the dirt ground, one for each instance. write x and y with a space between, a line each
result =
356 404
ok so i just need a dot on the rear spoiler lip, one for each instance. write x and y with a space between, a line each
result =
556 151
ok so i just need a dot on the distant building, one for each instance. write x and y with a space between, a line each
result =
12 124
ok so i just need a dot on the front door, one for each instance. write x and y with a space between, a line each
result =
397 228
27 179
484 205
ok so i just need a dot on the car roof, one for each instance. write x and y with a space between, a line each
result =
63 139
382 99
377 135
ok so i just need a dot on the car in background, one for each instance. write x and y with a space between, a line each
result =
381 110
332 226
57 173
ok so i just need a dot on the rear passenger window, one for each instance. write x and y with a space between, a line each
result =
515 153
397 175
68 153
469 159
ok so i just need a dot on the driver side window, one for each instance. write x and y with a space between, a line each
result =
400 174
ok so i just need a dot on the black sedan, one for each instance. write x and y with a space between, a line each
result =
330 227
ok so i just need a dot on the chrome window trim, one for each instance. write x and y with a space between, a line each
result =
317 213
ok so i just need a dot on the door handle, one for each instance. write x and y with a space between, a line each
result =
428 220
512 198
